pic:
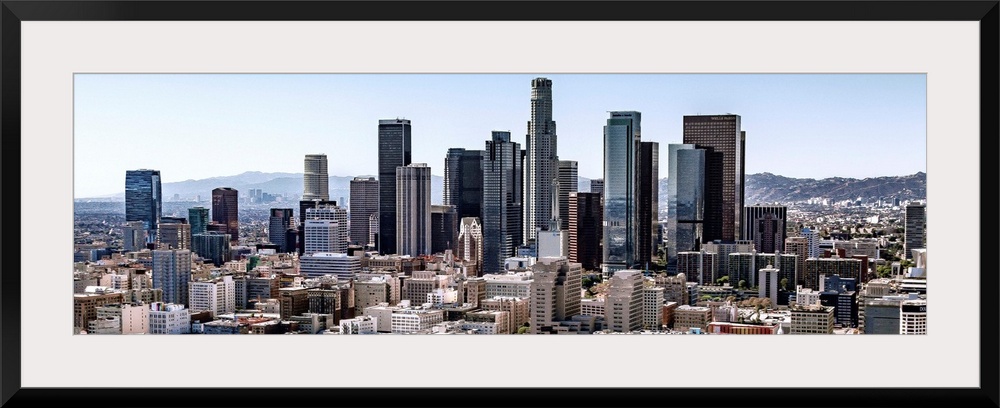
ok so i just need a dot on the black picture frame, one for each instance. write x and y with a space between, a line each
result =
987 13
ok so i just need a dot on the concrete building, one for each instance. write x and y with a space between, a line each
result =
567 182
767 283
279 222
294 301
510 284
413 210
171 272
359 325
315 178
913 317
518 309
169 318
624 302
324 263
675 288
812 242
652 308
126 318
552 243
798 246
217 296
410 320
698 266
845 267
173 235
765 226
592 307
372 292
811 319
554 292
487 322
326 230
689 317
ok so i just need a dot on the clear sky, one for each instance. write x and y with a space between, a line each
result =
195 126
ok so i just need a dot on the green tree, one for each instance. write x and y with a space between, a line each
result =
522 330
784 283
883 271
742 284
723 280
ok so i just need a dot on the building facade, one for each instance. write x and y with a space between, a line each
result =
394 151
541 161
463 181
363 205
225 211
502 200
144 199
315 178
621 227
723 140
585 230
413 210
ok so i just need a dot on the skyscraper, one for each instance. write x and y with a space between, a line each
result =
914 232
597 186
171 273
325 230
470 243
621 227
144 199
723 140
278 224
198 218
413 210
444 228
685 199
540 167
173 233
316 179
463 181
647 203
765 226
225 210
585 215
213 246
364 203
393 151
304 207
502 200
568 183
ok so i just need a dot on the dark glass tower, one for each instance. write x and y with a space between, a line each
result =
765 226
463 181
621 221
393 151
225 210
198 218
280 221
585 215
364 203
144 199
502 189
647 203
685 200
723 141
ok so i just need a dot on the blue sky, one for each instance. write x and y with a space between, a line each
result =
194 126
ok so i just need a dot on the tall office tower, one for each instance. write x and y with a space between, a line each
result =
444 228
315 179
225 210
914 235
134 236
621 150
568 183
585 215
325 230
597 186
304 207
171 273
765 226
502 201
364 203
647 203
540 166
798 246
555 292
173 233
144 199
278 225
623 305
393 151
685 199
812 242
723 141
470 243
198 218
213 246
413 210
463 181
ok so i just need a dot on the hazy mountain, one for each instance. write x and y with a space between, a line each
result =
760 188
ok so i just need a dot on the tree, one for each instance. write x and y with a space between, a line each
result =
522 330
784 283
723 280
742 284
883 271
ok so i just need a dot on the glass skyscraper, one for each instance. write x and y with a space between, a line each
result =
463 181
144 199
621 148
685 199
198 218
502 200
724 142
393 151
225 210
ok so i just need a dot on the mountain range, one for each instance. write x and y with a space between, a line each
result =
759 188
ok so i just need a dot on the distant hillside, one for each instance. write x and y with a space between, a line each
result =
772 188
760 188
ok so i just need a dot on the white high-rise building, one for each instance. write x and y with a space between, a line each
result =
913 317
624 302
327 263
316 179
169 318
812 239
652 307
470 242
542 160
555 292
326 229
217 296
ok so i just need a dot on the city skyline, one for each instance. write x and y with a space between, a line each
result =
886 113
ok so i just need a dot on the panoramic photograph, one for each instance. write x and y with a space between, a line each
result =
379 204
